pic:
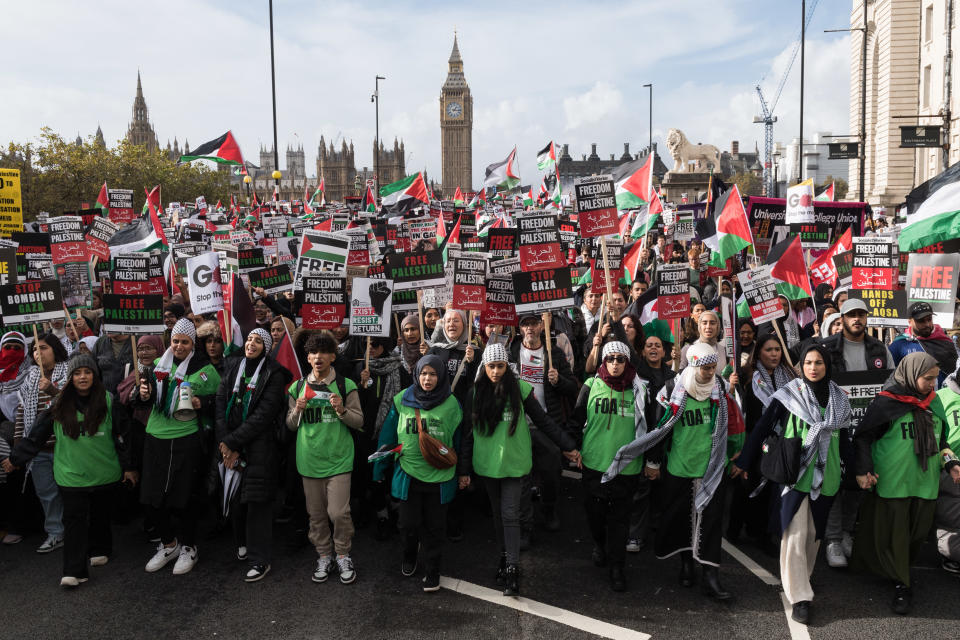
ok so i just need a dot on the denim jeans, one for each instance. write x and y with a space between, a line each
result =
48 493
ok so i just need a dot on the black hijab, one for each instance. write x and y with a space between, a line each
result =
416 397
821 388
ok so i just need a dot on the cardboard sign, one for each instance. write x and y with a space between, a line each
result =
137 315
250 259
8 265
469 282
539 243
843 263
274 226
502 242
11 203
75 284
683 226
932 278
120 203
416 270
27 243
323 301
597 205
67 243
861 387
812 235
886 307
31 302
420 229
500 307
205 283
875 263
273 279
505 266
673 291
321 251
98 235
370 307
614 259
760 292
800 203
538 291
39 266
130 274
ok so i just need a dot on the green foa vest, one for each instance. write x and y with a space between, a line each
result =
691 440
948 409
796 427
500 455
324 443
88 461
441 422
204 382
894 461
611 423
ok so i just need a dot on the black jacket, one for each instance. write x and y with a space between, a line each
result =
876 352
560 398
255 437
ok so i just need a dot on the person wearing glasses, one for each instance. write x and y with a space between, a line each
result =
610 414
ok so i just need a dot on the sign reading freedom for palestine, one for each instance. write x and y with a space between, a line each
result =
597 204
673 291
323 300
142 315
539 243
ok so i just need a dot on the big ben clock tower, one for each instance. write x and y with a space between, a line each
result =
456 127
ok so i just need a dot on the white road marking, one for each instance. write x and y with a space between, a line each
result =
556 614
751 566
797 631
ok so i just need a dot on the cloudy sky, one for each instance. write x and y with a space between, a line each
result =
561 70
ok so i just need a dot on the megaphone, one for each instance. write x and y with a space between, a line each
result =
185 411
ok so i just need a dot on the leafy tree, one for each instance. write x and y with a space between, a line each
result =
840 187
749 183
57 175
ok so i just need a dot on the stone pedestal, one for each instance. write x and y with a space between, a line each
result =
675 184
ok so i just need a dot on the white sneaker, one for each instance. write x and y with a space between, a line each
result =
98 561
324 565
70 581
51 543
835 557
188 558
345 566
162 557
847 544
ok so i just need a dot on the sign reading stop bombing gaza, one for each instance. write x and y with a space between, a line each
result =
31 302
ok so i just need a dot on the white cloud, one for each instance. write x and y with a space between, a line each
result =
601 101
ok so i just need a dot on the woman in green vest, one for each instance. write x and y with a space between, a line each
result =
901 445
499 449
88 462
610 415
173 448
423 488
817 411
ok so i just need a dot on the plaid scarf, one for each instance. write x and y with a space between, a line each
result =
30 392
765 385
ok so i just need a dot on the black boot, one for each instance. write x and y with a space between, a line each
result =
599 556
502 569
512 580
618 581
902 599
687 575
801 611
711 584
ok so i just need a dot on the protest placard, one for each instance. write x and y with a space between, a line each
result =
673 291
205 283
932 278
538 291
98 235
137 315
276 279
760 292
885 307
469 282
39 266
597 205
501 305
8 265
67 243
250 259
322 300
416 270
502 242
75 284
130 273
229 260
614 247
861 388
800 203
321 251
875 263
539 243
31 302
370 307
120 205
11 218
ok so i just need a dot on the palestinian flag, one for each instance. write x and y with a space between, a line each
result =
369 202
445 240
307 209
935 220
556 196
493 224
503 175
827 194
103 203
256 203
153 197
547 157
648 218
473 202
238 313
822 270
143 234
223 150
645 307
404 195
276 192
631 262
241 170
458 196
727 231
527 196
287 357
790 269
634 183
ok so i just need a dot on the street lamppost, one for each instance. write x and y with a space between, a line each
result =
375 99
247 180
650 145
863 97
776 177
276 175
273 90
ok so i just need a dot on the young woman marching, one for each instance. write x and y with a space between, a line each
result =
901 445
699 443
425 484
817 411
88 461
499 449
173 458
250 407
610 414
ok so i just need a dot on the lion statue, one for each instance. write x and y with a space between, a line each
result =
683 152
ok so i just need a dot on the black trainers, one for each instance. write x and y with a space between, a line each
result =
431 581
801 611
408 566
256 572
948 565
902 599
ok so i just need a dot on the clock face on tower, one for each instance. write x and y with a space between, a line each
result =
454 110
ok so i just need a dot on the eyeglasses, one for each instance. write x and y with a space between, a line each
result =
617 359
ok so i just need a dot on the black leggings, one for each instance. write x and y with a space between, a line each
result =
423 520
608 511
86 526
178 524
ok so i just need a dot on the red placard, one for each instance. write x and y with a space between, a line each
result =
536 257
597 204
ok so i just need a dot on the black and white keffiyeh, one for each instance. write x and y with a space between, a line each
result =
765 385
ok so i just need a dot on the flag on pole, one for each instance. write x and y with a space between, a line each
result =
547 157
404 195
823 270
287 357
827 194
503 175
790 269
727 231
103 202
224 150
445 240
935 220
458 196
153 197
369 202
631 262
143 234
307 209
634 183
647 218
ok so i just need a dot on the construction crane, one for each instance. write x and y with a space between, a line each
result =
766 117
